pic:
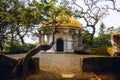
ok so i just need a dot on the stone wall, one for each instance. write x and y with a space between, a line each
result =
101 64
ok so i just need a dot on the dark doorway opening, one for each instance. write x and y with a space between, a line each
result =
60 45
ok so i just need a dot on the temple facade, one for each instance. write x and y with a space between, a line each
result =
66 40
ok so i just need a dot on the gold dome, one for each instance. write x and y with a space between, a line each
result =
70 23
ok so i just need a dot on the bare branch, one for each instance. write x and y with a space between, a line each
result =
114 5
92 12
81 8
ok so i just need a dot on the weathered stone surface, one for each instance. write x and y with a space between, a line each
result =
101 64
83 49
33 64
7 65
115 41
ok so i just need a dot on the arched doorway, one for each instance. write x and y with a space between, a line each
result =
60 45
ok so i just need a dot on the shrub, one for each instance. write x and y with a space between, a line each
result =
18 48
103 51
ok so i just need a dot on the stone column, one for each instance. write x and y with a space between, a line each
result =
48 40
53 48
40 39
65 42
79 38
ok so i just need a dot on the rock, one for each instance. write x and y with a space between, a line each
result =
101 64
115 41
7 65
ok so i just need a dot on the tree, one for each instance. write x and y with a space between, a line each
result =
115 5
53 12
110 30
91 12
86 37
103 40
104 36
23 18
102 29
21 68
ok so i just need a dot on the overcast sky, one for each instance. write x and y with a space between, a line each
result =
112 20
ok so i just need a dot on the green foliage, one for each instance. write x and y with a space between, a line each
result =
102 41
102 51
18 48
110 30
36 44
86 37
17 19
102 29
104 37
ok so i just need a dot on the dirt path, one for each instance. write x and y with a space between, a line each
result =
59 66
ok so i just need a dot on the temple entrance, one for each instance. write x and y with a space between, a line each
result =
60 45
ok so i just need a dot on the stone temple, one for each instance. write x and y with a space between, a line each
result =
66 40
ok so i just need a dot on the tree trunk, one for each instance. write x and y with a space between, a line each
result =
11 68
92 36
22 67
21 39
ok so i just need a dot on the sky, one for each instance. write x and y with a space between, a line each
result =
112 20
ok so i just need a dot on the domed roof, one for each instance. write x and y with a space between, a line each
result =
72 22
